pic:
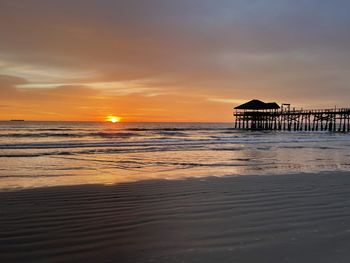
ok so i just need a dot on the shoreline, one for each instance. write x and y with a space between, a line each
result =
251 218
159 180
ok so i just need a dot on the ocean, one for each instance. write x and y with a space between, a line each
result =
172 192
37 154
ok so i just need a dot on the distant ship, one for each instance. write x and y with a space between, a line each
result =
16 120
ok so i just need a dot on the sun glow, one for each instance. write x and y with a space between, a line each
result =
113 119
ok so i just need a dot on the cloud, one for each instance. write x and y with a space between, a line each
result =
296 51
227 100
11 81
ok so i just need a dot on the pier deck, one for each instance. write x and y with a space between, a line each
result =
293 120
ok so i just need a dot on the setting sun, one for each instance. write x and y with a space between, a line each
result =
113 119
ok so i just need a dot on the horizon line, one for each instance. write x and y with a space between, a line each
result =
117 122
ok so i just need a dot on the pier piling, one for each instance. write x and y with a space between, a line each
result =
257 115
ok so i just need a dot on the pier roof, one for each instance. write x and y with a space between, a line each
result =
272 105
258 105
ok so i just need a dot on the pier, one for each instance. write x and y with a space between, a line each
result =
258 115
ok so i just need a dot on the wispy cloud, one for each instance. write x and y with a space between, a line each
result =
229 101
163 53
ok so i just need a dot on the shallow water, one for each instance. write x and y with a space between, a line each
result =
35 154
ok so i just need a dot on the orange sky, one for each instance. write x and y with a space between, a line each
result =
169 60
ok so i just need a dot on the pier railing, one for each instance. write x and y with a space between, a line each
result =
297 120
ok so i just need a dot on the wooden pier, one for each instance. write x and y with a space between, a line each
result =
257 115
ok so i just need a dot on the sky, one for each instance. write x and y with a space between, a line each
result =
166 60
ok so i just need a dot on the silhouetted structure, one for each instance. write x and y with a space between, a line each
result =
258 105
258 115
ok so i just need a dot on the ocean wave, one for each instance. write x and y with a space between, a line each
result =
226 149
181 129
114 134
261 143
39 135
308 147
71 135
171 133
38 154
86 144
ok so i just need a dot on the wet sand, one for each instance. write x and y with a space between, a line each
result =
280 218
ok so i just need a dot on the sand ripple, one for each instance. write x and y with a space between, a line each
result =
289 218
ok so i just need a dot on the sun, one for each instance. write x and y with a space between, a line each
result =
112 118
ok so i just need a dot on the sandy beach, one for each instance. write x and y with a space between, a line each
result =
279 218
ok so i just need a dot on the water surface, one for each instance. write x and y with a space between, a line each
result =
34 154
